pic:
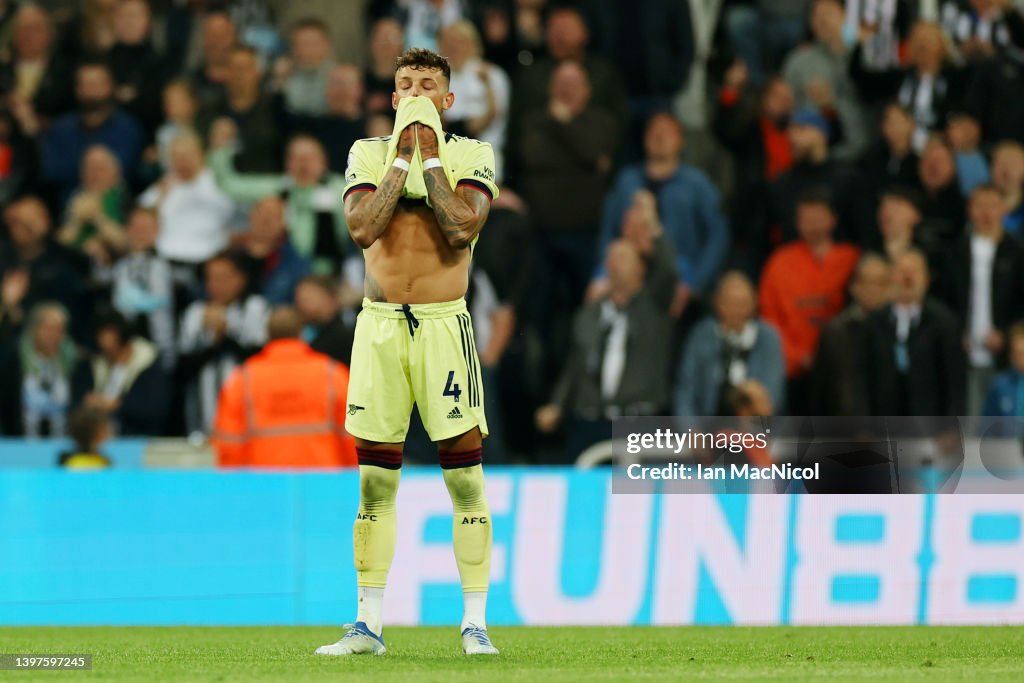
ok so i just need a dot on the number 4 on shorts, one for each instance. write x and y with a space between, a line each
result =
452 389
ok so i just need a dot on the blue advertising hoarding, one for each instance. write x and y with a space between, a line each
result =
150 547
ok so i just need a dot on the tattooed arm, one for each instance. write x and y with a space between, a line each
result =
460 213
368 213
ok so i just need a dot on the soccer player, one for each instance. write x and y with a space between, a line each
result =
414 343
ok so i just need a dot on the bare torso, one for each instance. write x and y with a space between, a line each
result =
412 262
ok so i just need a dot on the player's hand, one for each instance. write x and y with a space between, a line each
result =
427 139
547 418
407 142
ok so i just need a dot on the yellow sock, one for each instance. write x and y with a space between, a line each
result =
375 528
471 526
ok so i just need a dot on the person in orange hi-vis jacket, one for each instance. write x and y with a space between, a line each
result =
285 407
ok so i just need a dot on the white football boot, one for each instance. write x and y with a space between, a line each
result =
476 642
359 640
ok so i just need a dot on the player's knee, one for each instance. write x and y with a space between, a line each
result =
378 486
465 485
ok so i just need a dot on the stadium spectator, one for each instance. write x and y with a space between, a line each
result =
914 354
688 206
887 23
139 69
125 379
97 120
480 109
218 333
36 80
803 286
193 212
818 74
308 68
964 136
33 269
750 398
327 327
567 150
387 41
727 349
274 266
314 215
943 205
89 428
995 94
839 378
1006 393
566 38
508 232
96 210
19 160
285 407
180 108
650 42
891 160
425 19
343 122
813 167
217 40
512 35
929 86
88 31
35 395
762 32
143 285
619 358
752 123
977 28
1008 176
494 322
988 272
346 23
256 116
897 219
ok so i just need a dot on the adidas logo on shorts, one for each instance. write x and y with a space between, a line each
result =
455 414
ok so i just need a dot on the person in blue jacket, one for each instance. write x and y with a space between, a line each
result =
689 206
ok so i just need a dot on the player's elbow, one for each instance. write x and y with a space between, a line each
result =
362 235
462 236
460 240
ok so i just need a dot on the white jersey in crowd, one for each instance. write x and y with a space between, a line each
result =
246 325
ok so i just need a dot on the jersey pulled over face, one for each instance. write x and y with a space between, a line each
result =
429 83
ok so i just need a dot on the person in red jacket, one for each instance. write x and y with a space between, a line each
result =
803 286
285 407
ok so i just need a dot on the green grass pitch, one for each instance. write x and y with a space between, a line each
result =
547 655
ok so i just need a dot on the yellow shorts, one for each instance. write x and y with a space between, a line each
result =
414 353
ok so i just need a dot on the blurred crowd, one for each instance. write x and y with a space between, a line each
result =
707 207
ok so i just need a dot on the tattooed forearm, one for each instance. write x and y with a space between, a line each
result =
372 289
368 213
460 216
